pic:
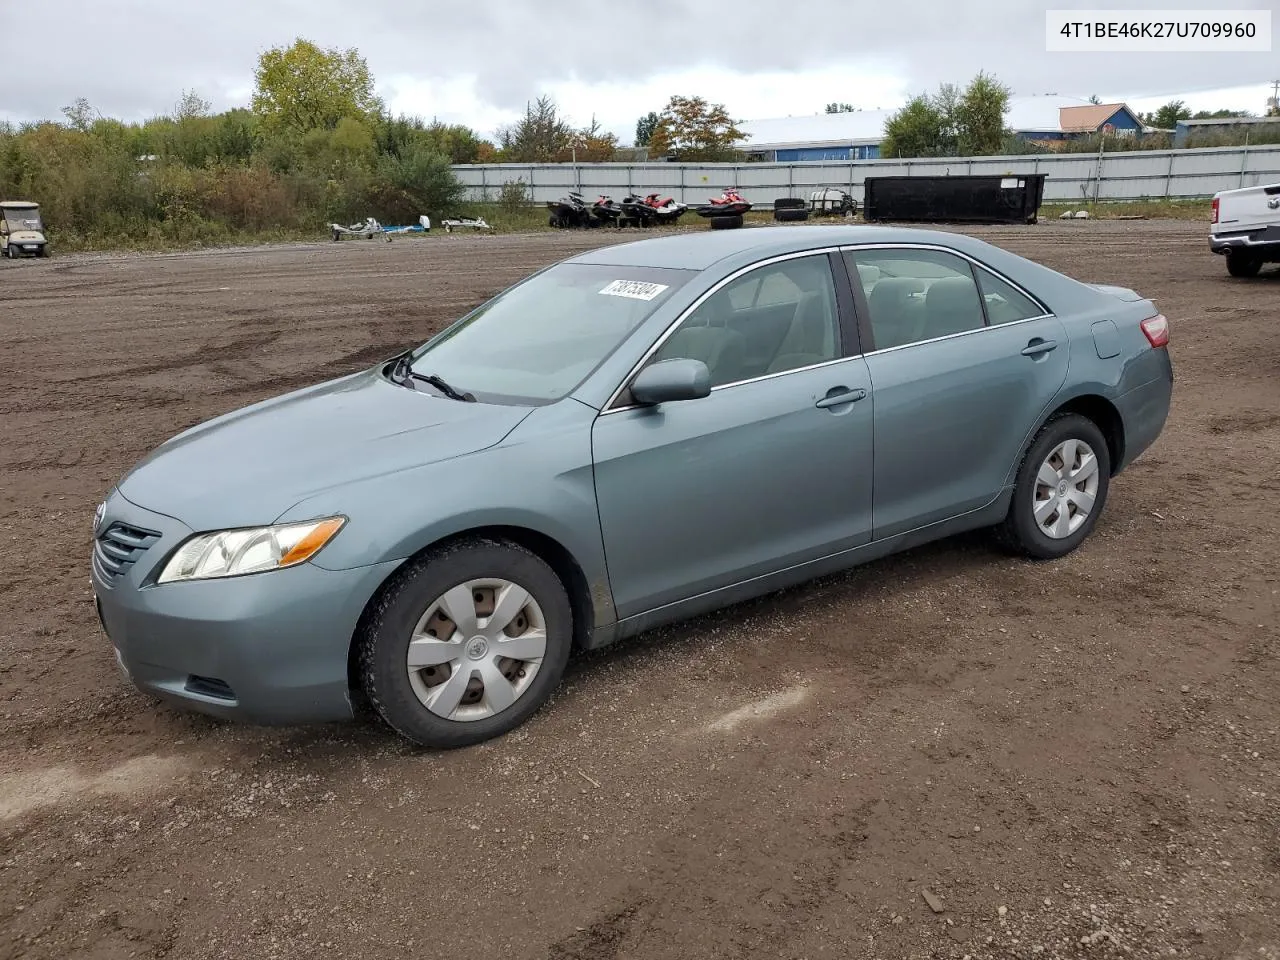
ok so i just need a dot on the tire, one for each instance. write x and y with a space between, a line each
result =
397 691
789 203
790 215
726 223
1021 531
1243 265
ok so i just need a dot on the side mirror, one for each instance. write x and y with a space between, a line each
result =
668 380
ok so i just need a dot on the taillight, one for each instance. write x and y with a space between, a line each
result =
1156 330
1215 209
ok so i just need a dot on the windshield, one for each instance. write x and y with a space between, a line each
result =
22 220
535 342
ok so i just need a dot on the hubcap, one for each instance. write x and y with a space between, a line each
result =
1066 489
476 650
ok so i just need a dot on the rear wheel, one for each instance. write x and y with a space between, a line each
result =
1243 264
1060 489
466 644
726 223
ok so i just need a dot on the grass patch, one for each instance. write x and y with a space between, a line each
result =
1179 209
158 241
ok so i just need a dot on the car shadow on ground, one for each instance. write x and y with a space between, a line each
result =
871 649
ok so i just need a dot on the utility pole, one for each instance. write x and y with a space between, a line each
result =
1274 110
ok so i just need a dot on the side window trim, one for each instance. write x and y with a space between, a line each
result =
981 268
977 288
850 334
619 400
975 265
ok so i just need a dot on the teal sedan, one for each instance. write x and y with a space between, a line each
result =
633 436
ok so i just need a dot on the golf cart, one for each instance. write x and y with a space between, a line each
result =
21 230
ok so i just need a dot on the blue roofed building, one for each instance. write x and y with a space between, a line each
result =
858 135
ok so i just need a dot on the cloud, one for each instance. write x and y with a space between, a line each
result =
479 62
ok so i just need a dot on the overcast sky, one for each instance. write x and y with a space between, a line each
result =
478 62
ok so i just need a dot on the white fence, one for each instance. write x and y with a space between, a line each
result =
1071 178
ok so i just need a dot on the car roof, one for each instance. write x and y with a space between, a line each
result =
698 251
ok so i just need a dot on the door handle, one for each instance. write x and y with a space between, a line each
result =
839 397
1037 347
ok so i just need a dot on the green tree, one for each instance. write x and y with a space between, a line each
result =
1220 114
951 122
1167 117
839 108
693 129
303 88
456 141
79 114
645 127
979 116
916 130
190 106
540 136
418 181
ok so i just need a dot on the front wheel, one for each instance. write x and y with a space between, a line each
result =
1060 489
466 644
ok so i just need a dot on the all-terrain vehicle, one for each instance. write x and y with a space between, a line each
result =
569 211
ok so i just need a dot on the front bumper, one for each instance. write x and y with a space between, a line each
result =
267 648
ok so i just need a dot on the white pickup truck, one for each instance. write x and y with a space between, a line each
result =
1246 228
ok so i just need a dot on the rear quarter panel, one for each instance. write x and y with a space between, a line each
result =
1112 358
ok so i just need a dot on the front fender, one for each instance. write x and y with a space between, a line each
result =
540 479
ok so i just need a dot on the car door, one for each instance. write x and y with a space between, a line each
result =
770 470
963 364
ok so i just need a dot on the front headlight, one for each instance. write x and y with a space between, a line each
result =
231 553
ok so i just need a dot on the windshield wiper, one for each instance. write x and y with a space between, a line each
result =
404 373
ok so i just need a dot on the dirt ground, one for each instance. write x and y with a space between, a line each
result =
1076 760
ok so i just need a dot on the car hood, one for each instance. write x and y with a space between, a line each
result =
249 466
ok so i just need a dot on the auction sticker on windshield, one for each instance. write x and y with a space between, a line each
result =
635 289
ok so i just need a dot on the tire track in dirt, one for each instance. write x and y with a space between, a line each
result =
946 689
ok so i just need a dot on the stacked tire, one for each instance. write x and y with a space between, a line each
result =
731 222
790 210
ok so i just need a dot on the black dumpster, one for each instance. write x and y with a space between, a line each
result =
961 199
